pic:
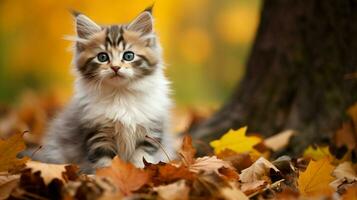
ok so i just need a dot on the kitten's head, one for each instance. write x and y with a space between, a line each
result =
116 54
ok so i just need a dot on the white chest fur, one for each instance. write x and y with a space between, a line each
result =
131 111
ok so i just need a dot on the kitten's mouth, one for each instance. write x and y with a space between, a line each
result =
117 75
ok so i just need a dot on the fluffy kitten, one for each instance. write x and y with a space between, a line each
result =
121 98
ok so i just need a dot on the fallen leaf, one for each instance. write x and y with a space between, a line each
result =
208 185
9 148
344 174
125 176
187 151
174 191
163 173
280 140
239 161
233 193
34 185
229 173
208 165
351 194
48 171
257 170
7 184
252 187
235 140
317 153
71 173
316 178
346 135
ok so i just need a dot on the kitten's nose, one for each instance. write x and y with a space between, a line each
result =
115 68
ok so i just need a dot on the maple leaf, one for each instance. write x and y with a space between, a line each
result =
316 178
317 153
125 176
48 171
208 165
235 140
9 148
205 164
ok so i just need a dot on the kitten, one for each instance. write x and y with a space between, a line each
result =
121 101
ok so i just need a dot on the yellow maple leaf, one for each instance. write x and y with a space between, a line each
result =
316 178
9 148
235 140
317 153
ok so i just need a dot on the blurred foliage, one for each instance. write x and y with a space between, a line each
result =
205 43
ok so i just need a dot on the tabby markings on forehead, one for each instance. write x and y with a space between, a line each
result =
114 37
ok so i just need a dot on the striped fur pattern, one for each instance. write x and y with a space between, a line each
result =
120 103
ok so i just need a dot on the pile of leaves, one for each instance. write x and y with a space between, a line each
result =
240 167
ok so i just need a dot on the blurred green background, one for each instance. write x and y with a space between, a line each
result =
205 42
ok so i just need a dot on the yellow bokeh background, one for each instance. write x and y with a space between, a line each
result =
205 42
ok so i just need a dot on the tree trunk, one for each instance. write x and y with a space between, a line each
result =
299 74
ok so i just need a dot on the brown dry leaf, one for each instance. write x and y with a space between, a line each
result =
316 178
250 188
280 140
208 165
125 176
71 173
187 151
257 170
344 174
233 193
208 186
351 194
7 184
174 191
9 148
239 161
229 174
33 185
346 135
163 173
48 171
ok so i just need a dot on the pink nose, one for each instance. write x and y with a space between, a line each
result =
115 69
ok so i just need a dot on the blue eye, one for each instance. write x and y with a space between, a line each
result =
103 57
128 56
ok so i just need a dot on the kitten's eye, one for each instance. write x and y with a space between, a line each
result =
128 56
103 57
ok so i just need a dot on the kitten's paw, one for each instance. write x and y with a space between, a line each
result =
103 162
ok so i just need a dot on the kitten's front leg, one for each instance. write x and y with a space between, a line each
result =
147 149
101 149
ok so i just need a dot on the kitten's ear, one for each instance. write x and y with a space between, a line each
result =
142 23
85 27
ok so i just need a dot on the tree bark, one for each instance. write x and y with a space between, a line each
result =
299 74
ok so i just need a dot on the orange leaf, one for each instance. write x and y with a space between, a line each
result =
9 148
316 178
351 194
187 150
163 173
125 176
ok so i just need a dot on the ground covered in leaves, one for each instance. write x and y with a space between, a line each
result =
241 167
